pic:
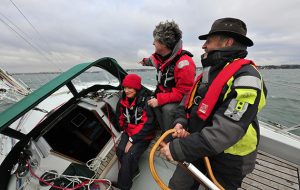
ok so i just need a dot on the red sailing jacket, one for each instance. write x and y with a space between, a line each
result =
211 97
136 119
184 75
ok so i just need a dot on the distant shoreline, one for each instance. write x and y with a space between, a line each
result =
279 67
198 68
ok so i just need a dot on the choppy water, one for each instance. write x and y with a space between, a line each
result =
283 103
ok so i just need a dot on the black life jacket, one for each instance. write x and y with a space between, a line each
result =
134 114
166 77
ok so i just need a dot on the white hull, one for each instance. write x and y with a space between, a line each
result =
53 148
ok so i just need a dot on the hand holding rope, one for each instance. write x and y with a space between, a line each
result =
196 173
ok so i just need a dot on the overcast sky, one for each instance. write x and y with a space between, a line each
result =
59 33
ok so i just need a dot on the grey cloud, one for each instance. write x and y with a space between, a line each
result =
79 31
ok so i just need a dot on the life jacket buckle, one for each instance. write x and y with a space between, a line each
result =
197 100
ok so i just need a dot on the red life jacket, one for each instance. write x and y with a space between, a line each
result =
211 97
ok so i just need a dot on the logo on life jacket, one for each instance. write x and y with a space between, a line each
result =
211 97
203 108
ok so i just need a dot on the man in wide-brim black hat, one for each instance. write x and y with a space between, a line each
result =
219 116
230 27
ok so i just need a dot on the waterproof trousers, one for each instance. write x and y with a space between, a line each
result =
166 115
129 161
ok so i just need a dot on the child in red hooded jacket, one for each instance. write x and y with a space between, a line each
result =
136 120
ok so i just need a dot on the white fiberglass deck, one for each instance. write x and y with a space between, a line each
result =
270 173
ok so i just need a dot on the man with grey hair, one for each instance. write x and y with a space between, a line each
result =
219 117
175 71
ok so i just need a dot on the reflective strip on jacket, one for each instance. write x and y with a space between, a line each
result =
230 134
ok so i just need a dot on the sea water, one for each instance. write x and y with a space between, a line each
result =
283 101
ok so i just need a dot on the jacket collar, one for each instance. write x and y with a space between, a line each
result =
176 51
126 103
219 58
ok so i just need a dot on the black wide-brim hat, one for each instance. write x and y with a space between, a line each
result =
231 27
